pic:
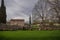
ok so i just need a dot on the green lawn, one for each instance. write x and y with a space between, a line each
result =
30 35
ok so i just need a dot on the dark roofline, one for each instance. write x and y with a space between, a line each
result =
17 20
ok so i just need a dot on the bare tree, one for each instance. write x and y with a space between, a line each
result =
55 6
40 11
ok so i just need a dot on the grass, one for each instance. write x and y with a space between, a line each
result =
30 35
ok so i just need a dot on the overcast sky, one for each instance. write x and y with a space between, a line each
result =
19 8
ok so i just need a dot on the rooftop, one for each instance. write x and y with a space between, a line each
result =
17 19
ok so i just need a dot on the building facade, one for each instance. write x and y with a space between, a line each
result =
17 22
2 13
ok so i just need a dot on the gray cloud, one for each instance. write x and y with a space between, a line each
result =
19 8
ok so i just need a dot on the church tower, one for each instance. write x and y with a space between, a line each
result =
2 13
30 20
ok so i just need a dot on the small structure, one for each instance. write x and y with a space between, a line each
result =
17 22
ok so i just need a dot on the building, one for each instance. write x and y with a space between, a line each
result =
17 22
2 13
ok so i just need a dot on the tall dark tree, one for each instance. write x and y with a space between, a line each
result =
2 13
